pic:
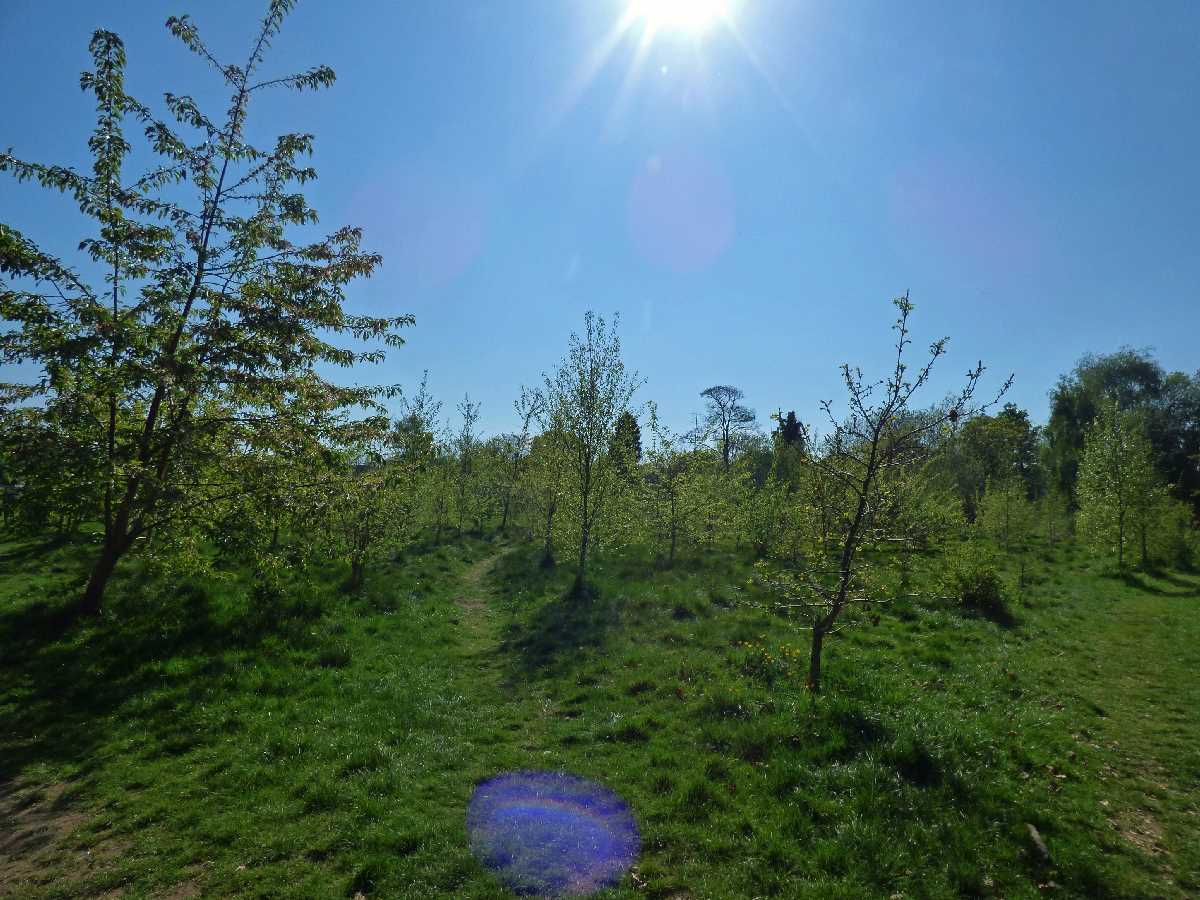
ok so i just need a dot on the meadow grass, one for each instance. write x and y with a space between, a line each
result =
204 738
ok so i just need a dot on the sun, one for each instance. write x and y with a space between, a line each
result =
684 15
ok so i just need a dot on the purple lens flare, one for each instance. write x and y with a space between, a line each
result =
551 834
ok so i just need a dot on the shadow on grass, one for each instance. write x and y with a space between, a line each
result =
1142 582
545 640
553 619
66 685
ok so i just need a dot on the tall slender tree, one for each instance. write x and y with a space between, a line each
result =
579 406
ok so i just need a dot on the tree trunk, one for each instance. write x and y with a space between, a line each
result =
814 660
1145 555
356 575
581 572
548 547
102 571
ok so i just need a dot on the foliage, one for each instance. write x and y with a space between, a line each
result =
579 407
1169 404
1006 514
863 477
726 418
972 576
1120 493
206 330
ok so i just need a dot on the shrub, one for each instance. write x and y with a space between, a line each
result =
973 577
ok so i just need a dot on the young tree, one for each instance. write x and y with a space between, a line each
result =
670 483
209 324
543 486
466 448
515 450
1005 512
627 445
1054 511
579 406
867 465
1118 489
726 417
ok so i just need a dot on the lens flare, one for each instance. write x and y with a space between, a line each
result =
551 834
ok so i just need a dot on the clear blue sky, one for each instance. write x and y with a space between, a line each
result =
747 201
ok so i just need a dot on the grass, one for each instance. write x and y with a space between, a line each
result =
200 740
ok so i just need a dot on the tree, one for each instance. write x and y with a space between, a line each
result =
866 468
627 444
1119 490
1005 512
544 485
580 406
989 448
515 450
1134 380
208 326
726 417
670 484
791 433
466 448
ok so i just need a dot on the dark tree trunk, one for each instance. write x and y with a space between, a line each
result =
102 571
581 572
814 660
548 547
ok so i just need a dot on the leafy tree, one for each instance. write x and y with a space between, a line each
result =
726 418
466 448
1006 513
627 444
866 465
515 450
360 506
1118 489
990 448
1168 402
544 484
1054 512
579 406
208 324
670 486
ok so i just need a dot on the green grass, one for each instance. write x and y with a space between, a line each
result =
320 745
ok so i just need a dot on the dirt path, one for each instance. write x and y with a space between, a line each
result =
523 709
478 619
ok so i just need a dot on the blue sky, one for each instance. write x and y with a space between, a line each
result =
748 200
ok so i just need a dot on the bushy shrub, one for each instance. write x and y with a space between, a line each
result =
972 575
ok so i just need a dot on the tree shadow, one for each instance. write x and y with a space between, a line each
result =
544 641
68 684
1141 582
